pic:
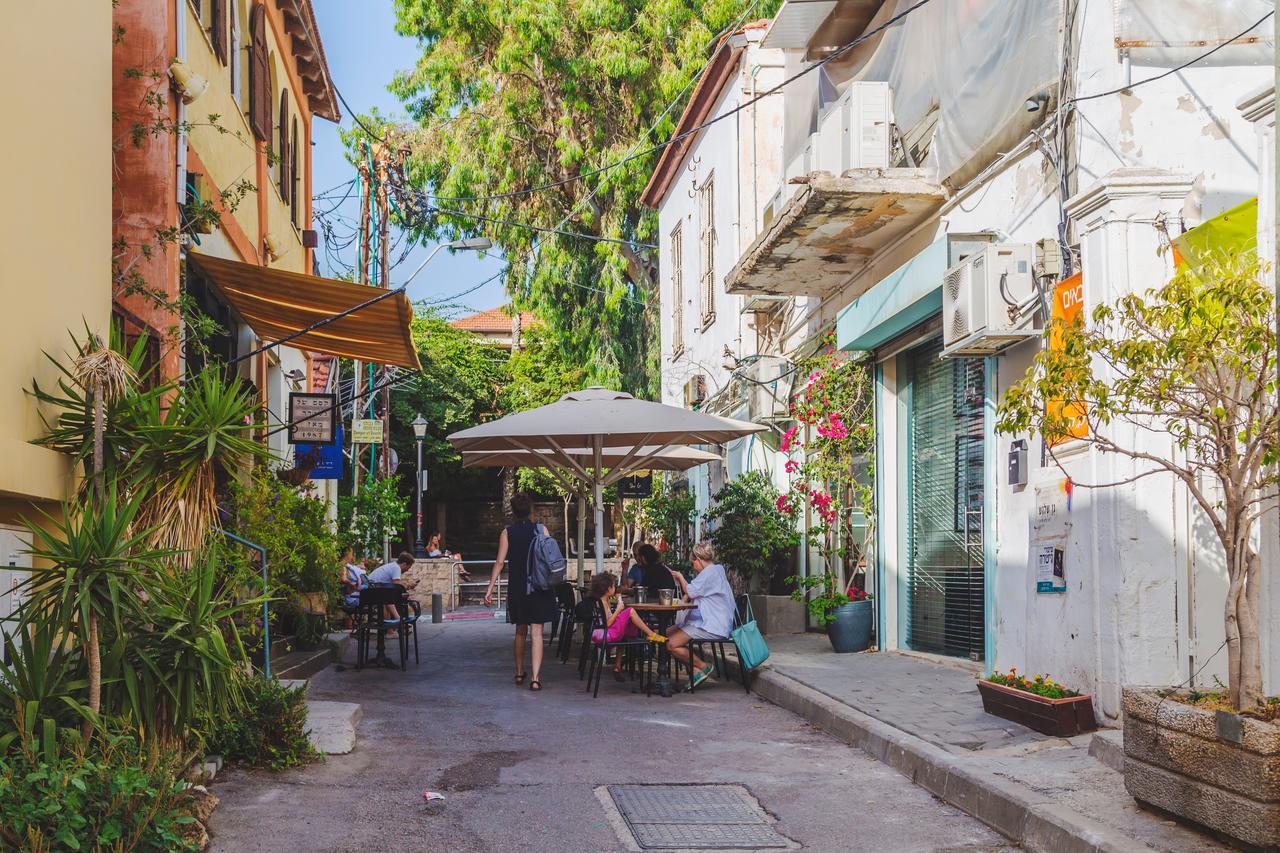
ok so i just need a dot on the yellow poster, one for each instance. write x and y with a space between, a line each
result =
1068 301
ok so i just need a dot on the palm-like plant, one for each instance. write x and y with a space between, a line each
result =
186 661
94 560
40 680
183 447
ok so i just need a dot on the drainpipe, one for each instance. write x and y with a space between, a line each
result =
266 613
180 29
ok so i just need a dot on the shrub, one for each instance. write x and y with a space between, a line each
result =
269 729
114 795
377 511
751 537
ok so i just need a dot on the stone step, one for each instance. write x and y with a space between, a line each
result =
1107 746
301 665
331 726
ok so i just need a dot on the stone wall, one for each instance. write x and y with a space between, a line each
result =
432 576
472 528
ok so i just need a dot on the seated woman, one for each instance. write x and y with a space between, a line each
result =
353 578
621 622
436 551
632 574
712 619
654 574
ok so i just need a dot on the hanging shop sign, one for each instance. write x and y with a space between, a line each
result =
1068 301
366 431
324 461
313 418
639 486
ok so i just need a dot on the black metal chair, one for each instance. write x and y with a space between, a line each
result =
563 629
412 615
374 602
599 658
717 657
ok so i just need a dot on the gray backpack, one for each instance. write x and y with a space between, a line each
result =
546 565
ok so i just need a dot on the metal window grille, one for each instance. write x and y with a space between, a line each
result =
945 602
707 198
677 290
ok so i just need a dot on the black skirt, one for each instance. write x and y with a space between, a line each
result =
525 606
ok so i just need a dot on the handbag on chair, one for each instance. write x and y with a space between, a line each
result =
752 649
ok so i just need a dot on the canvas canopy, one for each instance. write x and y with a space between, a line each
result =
648 459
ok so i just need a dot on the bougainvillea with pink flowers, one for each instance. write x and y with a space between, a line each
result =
832 411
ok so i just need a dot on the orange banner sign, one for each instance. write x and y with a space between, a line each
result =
1068 301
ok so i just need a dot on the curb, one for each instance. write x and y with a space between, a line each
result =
1018 812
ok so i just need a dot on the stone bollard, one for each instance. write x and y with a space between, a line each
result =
437 608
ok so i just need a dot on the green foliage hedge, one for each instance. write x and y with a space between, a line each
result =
269 730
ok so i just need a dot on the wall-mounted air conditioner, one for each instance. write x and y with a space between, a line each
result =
990 301
695 391
768 380
854 131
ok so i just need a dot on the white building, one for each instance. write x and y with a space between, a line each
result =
1007 125
710 190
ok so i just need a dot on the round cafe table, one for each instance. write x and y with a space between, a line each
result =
661 617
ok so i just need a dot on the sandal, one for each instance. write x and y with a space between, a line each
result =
655 638
619 676
701 676
535 685
519 678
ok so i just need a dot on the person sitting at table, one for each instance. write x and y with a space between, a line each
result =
654 574
712 619
390 574
353 578
632 575
621 622
436 551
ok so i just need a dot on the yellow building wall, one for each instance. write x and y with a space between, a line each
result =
55 230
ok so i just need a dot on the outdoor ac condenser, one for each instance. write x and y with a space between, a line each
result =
768 380
989 301
854 130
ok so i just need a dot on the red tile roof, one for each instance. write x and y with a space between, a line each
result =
494 320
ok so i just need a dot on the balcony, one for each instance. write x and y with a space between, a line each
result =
831 227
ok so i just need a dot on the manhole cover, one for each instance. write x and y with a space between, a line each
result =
683 817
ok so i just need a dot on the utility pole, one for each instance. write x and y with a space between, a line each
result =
381 153
364 264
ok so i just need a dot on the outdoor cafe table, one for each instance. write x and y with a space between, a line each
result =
661 616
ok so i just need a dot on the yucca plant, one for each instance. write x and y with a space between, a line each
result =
42 680
90 563
186 661
183 447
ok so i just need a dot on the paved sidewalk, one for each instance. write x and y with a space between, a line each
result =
924 718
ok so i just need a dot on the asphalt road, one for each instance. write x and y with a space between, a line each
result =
524 771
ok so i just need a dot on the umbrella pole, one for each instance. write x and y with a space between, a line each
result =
582 540
597 495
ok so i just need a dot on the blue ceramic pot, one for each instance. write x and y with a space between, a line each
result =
850 628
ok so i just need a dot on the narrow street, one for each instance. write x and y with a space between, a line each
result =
525 771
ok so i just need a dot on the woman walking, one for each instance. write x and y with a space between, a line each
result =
528 609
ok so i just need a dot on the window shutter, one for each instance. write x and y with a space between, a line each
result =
218 28
293 174
259 76
284 146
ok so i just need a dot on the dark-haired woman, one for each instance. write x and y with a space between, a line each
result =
655 574
528 609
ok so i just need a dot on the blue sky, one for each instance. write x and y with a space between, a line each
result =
364 53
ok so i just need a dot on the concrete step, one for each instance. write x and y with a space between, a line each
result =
331 726
301 665
1108 747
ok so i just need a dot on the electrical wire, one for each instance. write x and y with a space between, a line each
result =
540 229
1162 75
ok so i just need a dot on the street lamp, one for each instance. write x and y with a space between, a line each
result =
419 433
479 244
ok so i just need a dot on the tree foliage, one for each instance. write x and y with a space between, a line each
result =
515 94
750 536
1190 366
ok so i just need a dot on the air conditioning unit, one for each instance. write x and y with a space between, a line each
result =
854 131
695 391
768 380
990 301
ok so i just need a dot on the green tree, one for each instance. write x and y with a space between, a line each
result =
515 94
1190 365
750 536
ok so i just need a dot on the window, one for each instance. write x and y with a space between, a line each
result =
217 24
282 152
236 53
293 176
707 210
259 76
677 290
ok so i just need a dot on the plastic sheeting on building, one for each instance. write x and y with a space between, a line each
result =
1234 230
976 61
1171 32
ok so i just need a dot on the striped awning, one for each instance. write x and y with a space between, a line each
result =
277 304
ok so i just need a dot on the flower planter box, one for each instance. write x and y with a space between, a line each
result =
1058 717
1176 762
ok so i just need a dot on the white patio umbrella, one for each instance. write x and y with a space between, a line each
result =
618 432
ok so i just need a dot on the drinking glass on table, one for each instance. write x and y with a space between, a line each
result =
664 597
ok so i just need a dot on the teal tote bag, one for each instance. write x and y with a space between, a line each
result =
752 650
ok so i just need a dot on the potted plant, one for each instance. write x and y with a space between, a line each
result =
1038 703
1192 363
756 543
846 614
831 487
